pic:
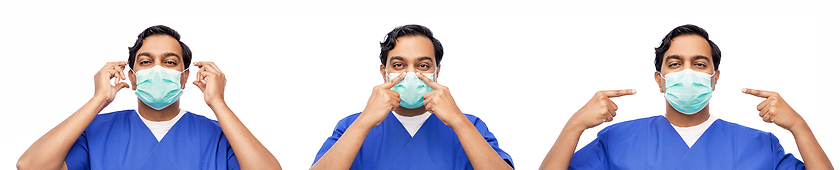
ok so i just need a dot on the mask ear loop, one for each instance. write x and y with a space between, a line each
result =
188 86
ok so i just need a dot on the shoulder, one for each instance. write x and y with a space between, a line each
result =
743 132
474 119
345 122
200 121
115 115
630 127
112 118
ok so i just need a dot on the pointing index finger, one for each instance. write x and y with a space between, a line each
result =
619 93
434 85
394 82
757 93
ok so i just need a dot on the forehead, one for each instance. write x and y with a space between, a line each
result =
689 46
160 44
412 47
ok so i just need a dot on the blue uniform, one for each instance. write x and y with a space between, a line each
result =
120 140
652 143
389 146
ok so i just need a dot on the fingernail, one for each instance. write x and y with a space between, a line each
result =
744 90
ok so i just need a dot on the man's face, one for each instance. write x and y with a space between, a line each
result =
687 52
162 50
410 54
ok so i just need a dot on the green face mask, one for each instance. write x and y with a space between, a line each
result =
411 89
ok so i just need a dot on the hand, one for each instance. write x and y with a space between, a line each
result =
102 80
211 81
440 102
774 109
599 109
382 101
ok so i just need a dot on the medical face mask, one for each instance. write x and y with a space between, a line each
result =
158 87
688 91
411 89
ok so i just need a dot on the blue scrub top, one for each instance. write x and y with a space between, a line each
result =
389 146
120 140
652 143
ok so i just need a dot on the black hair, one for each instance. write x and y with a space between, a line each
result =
687 29
408 30
159 30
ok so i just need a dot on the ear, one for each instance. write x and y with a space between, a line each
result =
715 79
184 76
657 77
437 74
382 71
133 80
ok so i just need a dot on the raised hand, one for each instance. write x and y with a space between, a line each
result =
102 80
774 109
440 102
382 101
211 81
599 109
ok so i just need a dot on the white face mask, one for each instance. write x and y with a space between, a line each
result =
411 88
688 91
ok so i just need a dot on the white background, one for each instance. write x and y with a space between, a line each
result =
295 69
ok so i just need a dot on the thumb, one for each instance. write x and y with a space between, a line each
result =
122 85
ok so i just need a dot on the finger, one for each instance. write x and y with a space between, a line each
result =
608 118
429 99
618 93
200 85
767 117
432 84
208 66
611 112
763 112
764 104
611 104
393 82
122 85
757 93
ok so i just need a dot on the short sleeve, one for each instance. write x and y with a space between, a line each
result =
491 139
78 157
232 162
591 156
338 131
784 160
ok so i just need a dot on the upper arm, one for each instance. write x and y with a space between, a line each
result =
338 131
784 160
78 157
591 156
491 139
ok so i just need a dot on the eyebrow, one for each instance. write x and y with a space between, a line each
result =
700 57
396 58
144 54
424 58
169 54
673 57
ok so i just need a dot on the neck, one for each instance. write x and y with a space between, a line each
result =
164 114
410 112
683 120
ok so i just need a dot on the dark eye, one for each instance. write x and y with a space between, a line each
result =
398 65
423 66
673 64
700 64
171 62
145 62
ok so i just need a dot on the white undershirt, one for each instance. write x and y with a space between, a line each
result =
413 123
159 128
692 133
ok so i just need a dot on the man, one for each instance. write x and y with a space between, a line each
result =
159 134
688 136
426 130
